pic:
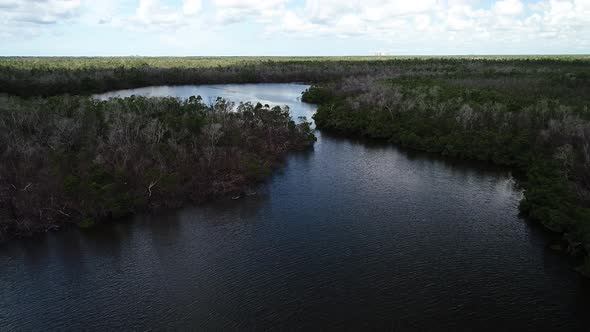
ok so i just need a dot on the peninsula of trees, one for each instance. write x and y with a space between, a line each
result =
80 160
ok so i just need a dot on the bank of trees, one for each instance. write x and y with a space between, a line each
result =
538 125
80 160
52 76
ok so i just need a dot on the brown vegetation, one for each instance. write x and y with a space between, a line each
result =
76 159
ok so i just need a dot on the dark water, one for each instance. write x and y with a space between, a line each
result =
350 236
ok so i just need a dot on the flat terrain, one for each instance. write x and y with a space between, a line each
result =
530 113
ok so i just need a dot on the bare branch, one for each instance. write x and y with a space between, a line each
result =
152 184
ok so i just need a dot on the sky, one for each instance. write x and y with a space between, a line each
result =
293 27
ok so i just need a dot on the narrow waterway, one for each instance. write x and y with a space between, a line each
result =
351 236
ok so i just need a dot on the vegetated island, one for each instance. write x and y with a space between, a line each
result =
530 113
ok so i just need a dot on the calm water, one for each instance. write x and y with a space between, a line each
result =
349 236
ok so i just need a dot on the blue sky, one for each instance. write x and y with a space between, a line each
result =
293 27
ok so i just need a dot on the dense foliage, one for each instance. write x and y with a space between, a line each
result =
51 76
539 125
80 160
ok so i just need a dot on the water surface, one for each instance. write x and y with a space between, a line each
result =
288 94
349 236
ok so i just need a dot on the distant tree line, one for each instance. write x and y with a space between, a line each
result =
54 76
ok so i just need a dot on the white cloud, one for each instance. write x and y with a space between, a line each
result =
39 12
350 25
31 17
368 18
154 15
463 24
262 11
461 21
100 12
324 11
191 7
24 18
508 7
382 9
